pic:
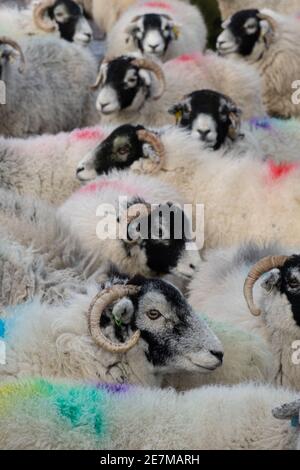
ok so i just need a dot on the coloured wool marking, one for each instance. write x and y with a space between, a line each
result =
88 134
264 123
162 5
115 185
196 57
279 170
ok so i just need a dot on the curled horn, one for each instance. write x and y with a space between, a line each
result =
157 145
152 66
262 267
99 78
39 11
17 47
272 22
97 307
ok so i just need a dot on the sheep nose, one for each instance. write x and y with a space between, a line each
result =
79 170
104 105
153 47
203 134
218 354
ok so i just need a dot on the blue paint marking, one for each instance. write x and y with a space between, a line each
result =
295 421
2 328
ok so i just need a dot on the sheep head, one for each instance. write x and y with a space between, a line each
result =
153 316
152 33
126 82
247 33
210 117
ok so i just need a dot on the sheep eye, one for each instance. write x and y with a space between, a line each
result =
123 150
153 314
293 283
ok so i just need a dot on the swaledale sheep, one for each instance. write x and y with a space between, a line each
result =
125 331
140 91
45 166
286 7
244 199
160 29
219 282
51 92
104 220
39 244
215 121
60 18
270 42
39 414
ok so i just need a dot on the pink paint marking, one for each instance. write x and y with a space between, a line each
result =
195 57
279 170
109 184
90 133
162 5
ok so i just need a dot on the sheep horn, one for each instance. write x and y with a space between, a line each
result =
97 307
99 78
17 47
260 268
272 22
156 143
39 13
156 69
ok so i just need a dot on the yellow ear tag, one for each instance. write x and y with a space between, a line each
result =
178 116
176 32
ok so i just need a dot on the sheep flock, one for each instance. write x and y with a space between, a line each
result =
149 238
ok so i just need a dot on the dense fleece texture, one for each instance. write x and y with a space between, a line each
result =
45 166
53 93
192 32
196 71
39 414
287 7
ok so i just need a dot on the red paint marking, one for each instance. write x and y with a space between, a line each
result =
162 5
88 134
108 184
195 57
279 170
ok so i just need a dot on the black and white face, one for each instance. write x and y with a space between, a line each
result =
173 337
153 33
283 300
123 86
71 23
163 240
245 33
209 116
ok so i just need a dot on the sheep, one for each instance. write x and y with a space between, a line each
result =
51 94
125 331
244 199
268 41
286 7
51 414
61 18
164 245
159 29
215 121
136 90
45 166
220 280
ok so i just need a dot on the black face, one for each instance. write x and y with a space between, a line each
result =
290 284
153 22
167 233
66 14
209 103
119 150
161 348
126 88
245 27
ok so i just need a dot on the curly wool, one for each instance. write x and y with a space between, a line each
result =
286 7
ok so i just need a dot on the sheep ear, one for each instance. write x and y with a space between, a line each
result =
176 30
235 123
268 27
132 26
122 311
177 111
271 280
